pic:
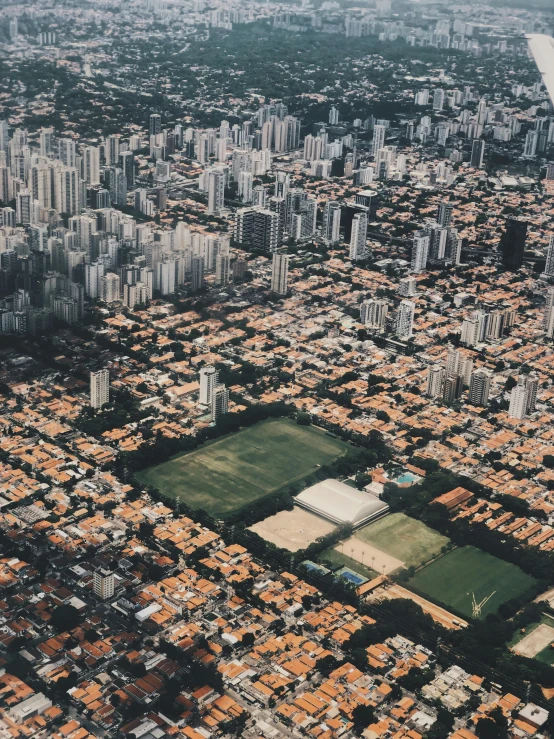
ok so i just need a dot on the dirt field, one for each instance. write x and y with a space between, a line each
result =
292 530
440 615
369 555
535 642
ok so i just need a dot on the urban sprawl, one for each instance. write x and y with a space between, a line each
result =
276 369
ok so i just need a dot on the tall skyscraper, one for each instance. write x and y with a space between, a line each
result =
512 244
358 237
523 397
444 216
379 133
222 269
331 222
479 388
280 273
209 380
155 124
219 402
405 319
91 165
110 288
420 251
216 190
474 328
435 381
99 388
549 266
197 273
549 314
103 583
127 165
477 154
333 116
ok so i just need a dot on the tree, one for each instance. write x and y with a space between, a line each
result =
248 639
303 419
362 717
65 618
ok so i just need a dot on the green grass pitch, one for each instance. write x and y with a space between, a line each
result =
223 476
405 538
453 578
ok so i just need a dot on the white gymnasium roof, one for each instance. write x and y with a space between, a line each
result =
340 503
542 49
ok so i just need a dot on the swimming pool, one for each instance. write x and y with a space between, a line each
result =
406 477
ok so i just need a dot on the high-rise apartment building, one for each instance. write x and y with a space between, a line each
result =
407 287
103 583
549 265
379 133
258 229
110 288
99 388
331 222
435 381
444 216
479 388
523 397
197 273
373 313
155 124
216 190
358 237
405 319
420 251
280 273
477 154
219 402
209 380
549 314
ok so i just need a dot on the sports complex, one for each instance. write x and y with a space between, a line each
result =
223 476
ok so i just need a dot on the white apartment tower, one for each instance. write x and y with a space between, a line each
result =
405 319
99 388
280 273
209 380
420 252
373 313
358 238
435 381
216 190
523 397
379 133
220 402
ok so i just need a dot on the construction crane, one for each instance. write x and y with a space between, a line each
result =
476 608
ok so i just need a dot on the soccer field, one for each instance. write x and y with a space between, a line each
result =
452 579
223 476
404 538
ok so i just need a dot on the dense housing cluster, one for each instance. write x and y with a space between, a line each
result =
276 387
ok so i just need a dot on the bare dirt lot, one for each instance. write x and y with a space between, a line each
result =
535 642
292 530
369 556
